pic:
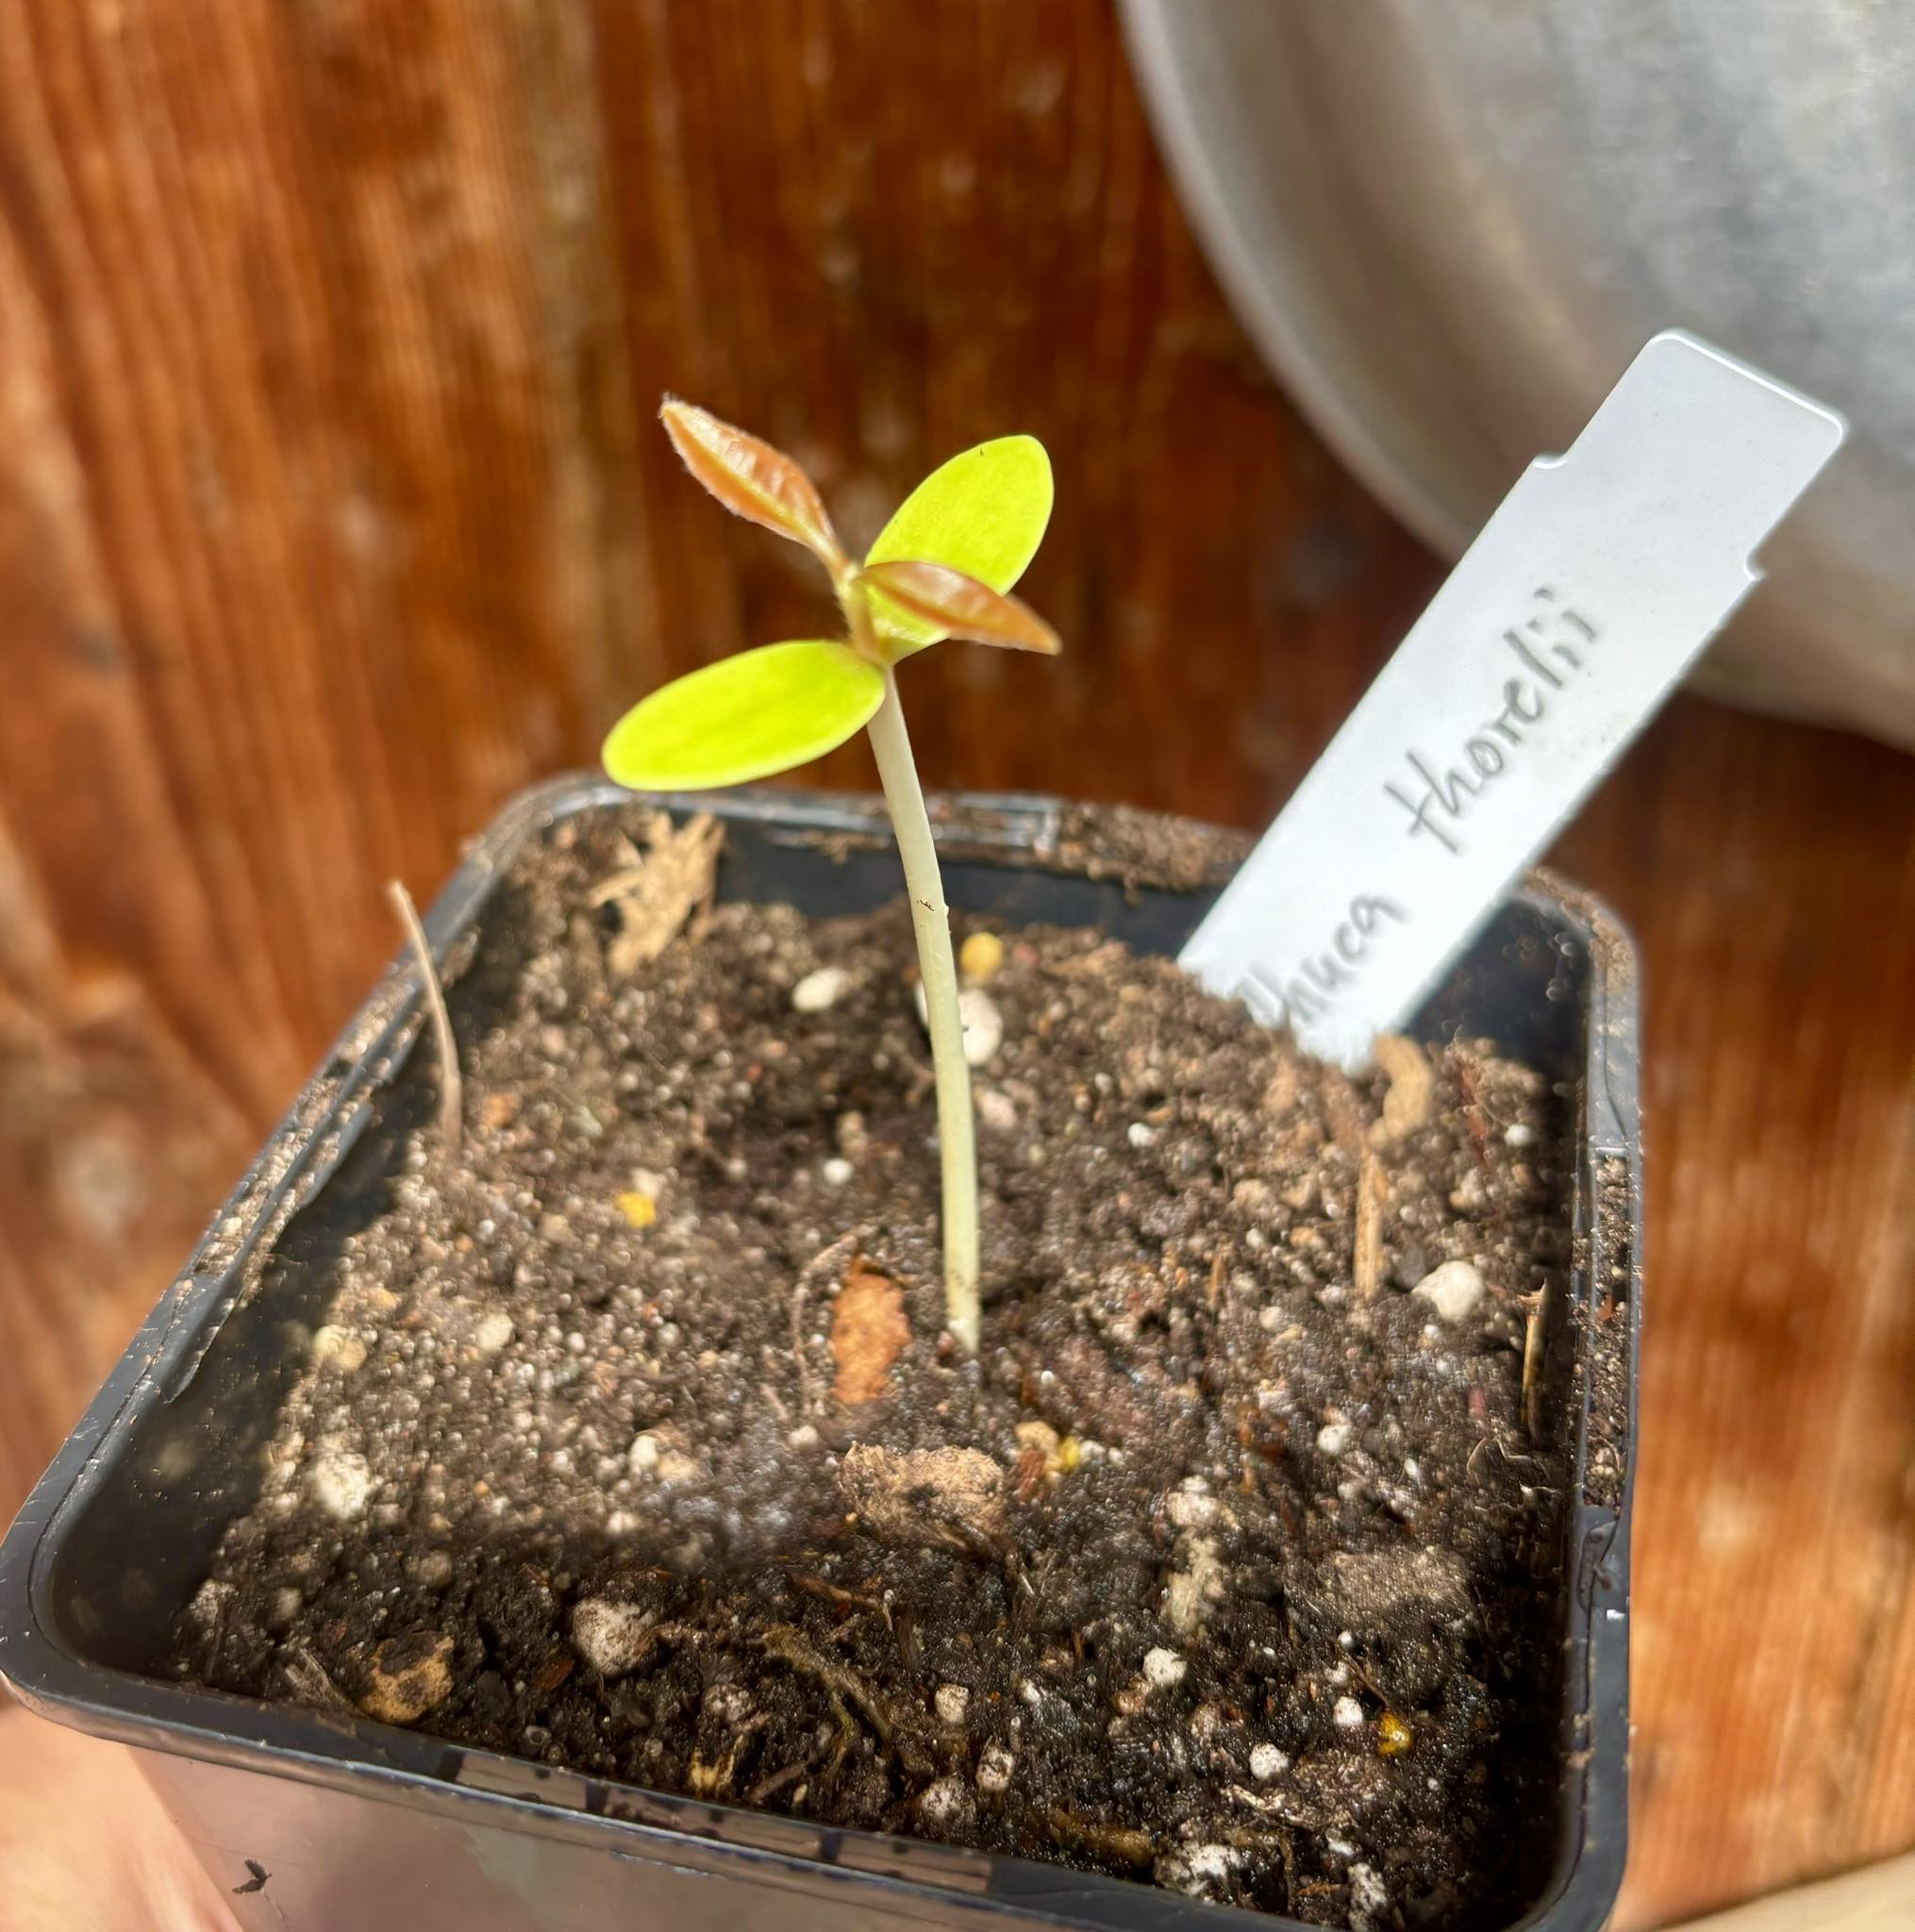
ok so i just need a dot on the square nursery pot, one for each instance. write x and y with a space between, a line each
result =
313 1820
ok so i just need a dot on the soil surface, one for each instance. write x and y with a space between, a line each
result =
633 1440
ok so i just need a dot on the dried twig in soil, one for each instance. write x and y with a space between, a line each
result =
1372 1190
451 1086
714 1780
1532 1374
1123 1844
656 893
829 1592
789 1646
770 1786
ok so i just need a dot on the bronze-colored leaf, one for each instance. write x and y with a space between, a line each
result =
960 606
752 479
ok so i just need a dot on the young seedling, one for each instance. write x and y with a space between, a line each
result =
940 568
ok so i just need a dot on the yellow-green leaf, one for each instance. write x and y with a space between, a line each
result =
983 513
746 716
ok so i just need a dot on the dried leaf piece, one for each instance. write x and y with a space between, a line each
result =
656 893
1410 1096
961 606
868 1331
311 1685
949 1499
752 479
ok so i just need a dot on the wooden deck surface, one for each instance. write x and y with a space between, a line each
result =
330 513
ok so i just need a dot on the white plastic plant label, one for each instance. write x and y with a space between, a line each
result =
1590 590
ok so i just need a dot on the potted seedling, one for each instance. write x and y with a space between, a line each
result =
648 1438
943 567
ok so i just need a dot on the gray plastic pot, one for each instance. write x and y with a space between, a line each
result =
314 1822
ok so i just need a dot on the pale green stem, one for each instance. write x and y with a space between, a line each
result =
931 923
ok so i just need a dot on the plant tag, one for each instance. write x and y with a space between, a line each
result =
1589 592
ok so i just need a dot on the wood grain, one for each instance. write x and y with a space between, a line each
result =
1769 873
1871 1900
330 513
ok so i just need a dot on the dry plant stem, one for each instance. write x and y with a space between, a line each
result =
931 924
451 1086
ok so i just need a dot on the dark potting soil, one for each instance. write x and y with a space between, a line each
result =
634 1442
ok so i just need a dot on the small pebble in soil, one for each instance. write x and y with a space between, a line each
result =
995 1764
1470 1194
408 1676
951 1702
982 1025
1453 1290
978 1015
837 1172
1141 1134
643 1455
1369 1898
1190 1591
336 1347
1163 1668
1201 1870
340 1482
611 1636
945 1803
210 1603
1191 1505
728 1705
1267 1762
1333 1438
434 1568
494 1331
819 990
1348 1714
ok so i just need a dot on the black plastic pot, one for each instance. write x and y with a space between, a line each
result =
313 1821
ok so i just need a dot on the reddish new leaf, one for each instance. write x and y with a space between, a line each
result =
960 606
752 479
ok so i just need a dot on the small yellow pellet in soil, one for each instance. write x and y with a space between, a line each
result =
640 1210
979 956
1393 1736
